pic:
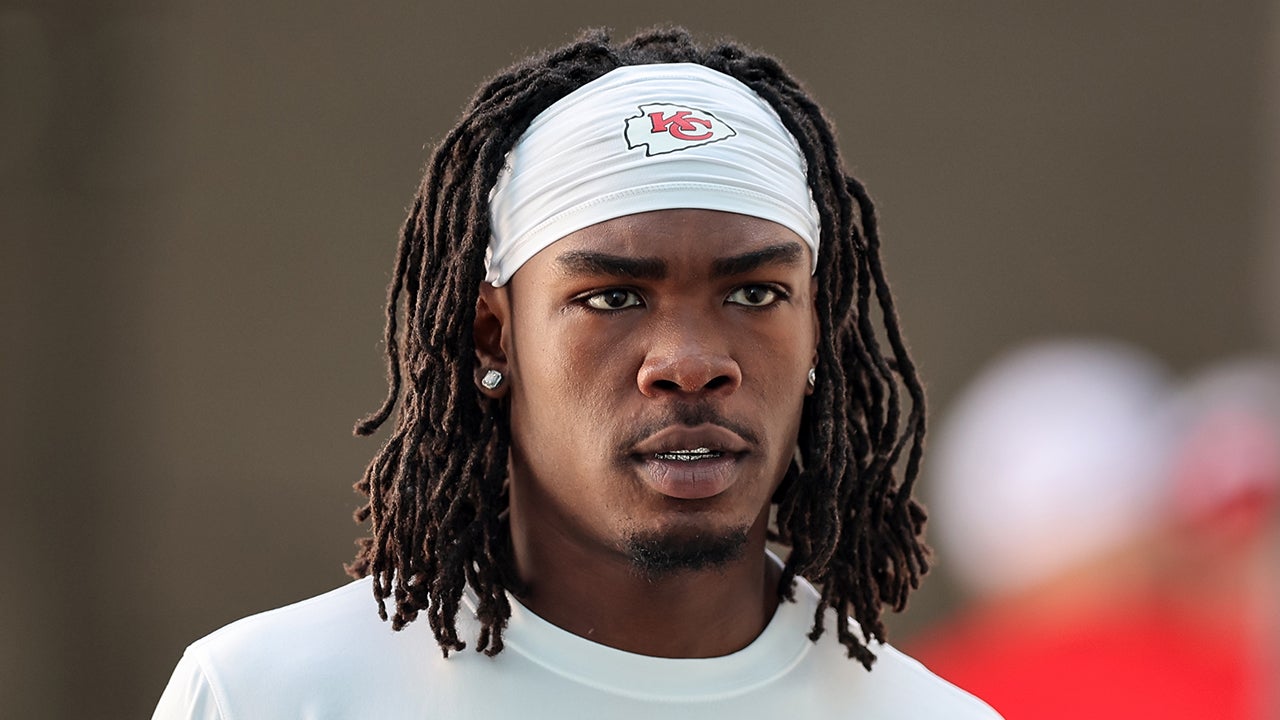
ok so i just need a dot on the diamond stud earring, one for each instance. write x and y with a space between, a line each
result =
813 376
491 380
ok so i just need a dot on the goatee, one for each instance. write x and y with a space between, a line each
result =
657 554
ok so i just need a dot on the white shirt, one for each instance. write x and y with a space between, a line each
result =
331 657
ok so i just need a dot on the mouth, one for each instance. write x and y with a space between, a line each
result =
693 455
690 463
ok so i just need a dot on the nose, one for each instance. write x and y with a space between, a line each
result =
688 361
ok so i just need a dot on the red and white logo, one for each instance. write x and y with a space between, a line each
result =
665 128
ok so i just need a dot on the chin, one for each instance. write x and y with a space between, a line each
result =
662 553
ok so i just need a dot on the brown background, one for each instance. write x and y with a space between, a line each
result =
199 202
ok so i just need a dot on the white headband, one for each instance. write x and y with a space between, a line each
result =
642 138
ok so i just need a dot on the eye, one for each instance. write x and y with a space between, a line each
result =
755 295
613 299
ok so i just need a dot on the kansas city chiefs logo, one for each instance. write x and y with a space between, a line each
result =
665 128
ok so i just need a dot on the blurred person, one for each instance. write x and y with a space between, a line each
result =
1223 569
640 296
1051 493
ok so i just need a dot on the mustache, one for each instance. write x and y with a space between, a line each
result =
690 416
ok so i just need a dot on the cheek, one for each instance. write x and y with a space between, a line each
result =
568 373
562 358
780 351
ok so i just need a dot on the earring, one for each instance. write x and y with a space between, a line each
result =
813 376
491 380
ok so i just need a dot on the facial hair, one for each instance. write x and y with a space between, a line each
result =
657 555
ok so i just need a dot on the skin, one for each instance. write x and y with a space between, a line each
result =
625 340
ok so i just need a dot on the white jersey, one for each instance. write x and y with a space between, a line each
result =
331 657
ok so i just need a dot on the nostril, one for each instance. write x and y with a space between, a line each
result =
718 382
688 372
714 384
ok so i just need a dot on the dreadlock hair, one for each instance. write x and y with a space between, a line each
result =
436 490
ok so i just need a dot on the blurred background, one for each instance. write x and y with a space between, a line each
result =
199 205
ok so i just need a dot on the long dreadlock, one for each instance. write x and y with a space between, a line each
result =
436 489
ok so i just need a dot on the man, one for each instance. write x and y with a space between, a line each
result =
637 297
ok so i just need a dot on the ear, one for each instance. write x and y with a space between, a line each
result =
493 310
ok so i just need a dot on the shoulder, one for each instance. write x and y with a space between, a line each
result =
330 626
321 651
897 686
900 678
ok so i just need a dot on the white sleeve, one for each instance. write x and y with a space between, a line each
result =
188 696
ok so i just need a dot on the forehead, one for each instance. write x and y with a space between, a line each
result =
679 238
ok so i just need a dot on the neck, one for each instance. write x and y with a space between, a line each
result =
600 595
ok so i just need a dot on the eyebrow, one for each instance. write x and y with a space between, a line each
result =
790 253
595 263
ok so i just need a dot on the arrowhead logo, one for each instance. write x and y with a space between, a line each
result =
665 128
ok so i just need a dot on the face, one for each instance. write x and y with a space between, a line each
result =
656 369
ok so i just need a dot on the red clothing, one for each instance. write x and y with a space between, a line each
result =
1135 662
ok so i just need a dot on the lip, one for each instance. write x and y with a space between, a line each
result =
690 479
686 437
